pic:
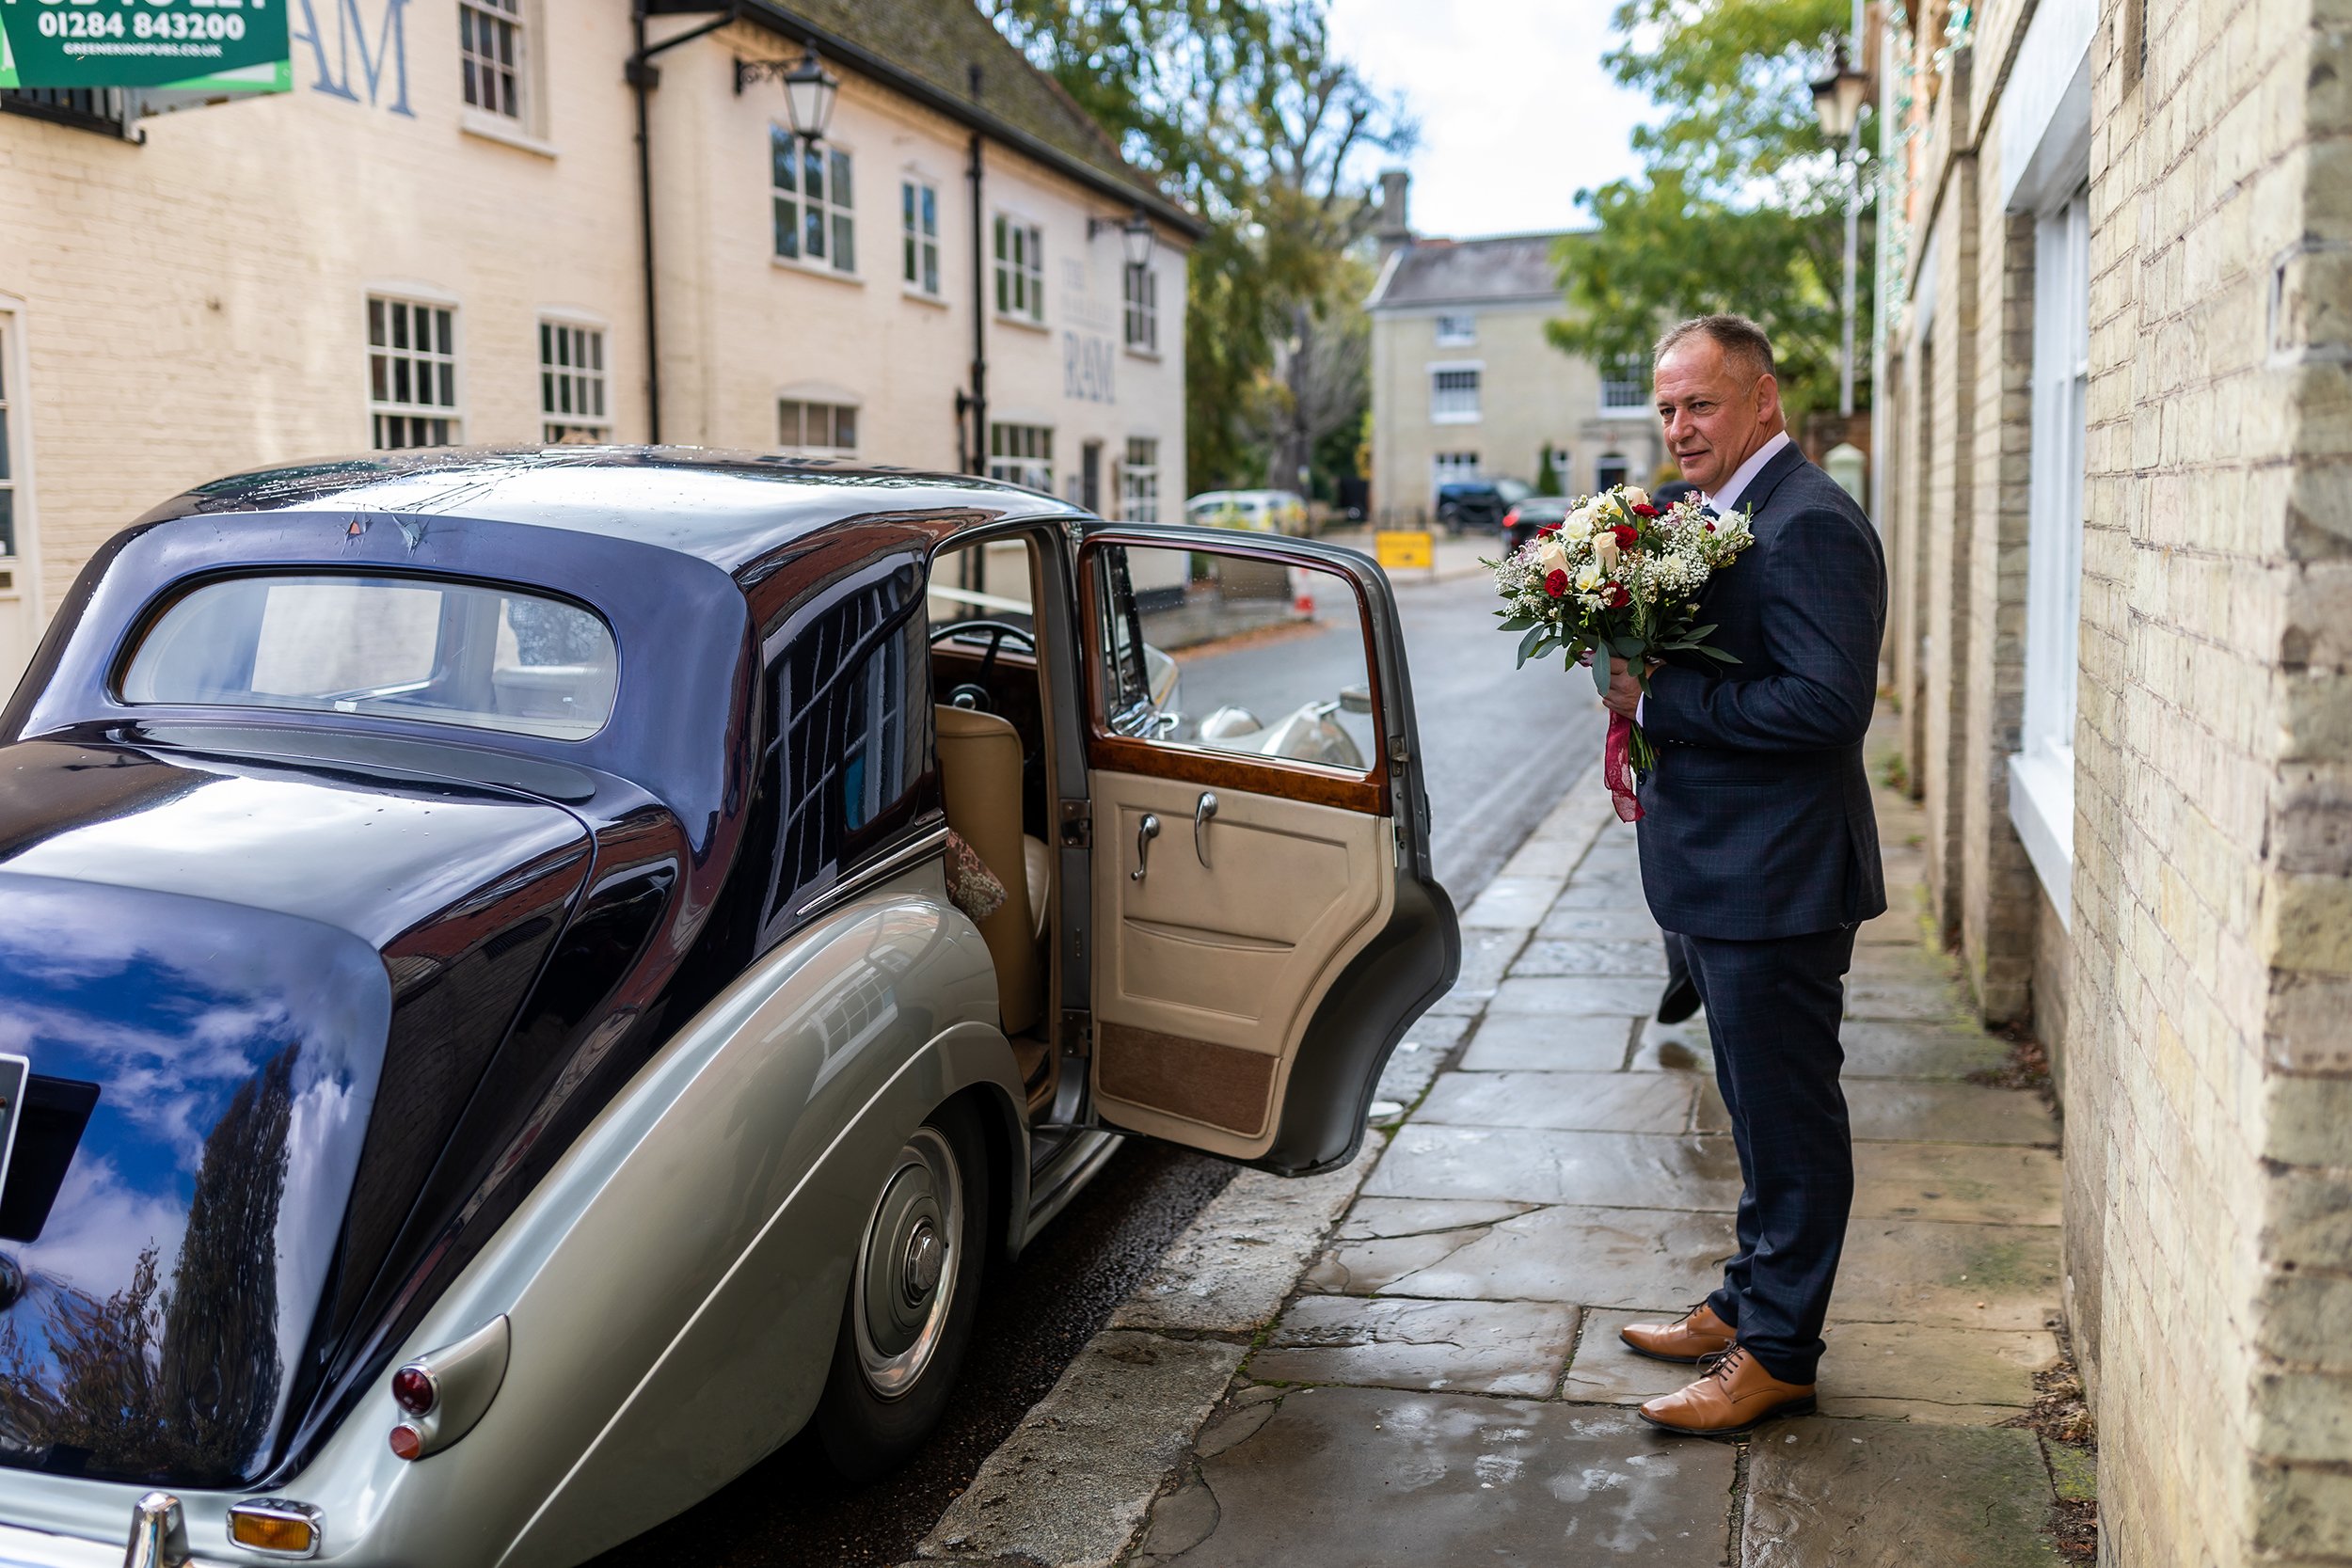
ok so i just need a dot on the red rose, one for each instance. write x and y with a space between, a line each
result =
1616 595
1627 533
1710 528
1547 531
1556 584
1646 511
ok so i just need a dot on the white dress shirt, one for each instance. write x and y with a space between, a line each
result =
1727 497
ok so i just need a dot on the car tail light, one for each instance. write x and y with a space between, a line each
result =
442 1393
413 1390
278 1527
1511 519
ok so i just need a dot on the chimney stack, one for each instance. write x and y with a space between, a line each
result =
1395 228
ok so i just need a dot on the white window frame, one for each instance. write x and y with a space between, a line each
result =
478 66
833 213
23 565
1033 467
1139 479
451 363
586 386
1624 397
1456 328
1454 408
1139 303
833 403
2042 771
918 247
525 125
1017 270
1454 467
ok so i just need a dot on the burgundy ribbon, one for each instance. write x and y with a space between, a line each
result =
1616 768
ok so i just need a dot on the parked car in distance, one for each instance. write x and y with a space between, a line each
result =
1467 506
1536 511
1251 510
532 977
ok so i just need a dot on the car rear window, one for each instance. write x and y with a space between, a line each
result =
451 653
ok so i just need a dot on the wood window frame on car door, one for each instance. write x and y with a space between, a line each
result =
1316 783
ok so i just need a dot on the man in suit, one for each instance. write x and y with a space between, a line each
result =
1759 850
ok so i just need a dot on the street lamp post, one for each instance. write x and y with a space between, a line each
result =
1838 100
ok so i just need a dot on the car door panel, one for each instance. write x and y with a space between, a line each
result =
1208 975
1249 984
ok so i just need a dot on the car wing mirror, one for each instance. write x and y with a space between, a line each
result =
1356 699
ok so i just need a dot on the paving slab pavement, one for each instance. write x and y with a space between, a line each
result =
1362 1477
1443 1382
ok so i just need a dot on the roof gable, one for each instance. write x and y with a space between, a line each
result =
1470 272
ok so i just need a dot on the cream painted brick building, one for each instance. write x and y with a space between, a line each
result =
1465 384
194 298
2117 440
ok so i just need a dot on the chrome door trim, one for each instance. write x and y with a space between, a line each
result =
895 862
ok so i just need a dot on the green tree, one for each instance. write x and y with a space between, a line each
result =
1240 109
1741 205
1547 477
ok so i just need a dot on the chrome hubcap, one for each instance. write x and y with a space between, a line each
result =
907 1265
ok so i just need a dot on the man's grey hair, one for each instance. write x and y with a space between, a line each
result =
1737 336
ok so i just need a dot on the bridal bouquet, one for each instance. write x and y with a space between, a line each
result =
1619 576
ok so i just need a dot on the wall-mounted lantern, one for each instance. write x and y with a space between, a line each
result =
808 91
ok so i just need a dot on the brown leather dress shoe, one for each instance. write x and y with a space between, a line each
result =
1694 1335
1735 1398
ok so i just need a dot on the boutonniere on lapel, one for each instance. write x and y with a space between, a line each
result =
1619 576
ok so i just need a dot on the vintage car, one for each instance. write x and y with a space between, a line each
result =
488 1043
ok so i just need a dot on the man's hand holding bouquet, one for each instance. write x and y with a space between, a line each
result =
1619 577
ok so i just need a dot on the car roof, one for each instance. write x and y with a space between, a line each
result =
731 508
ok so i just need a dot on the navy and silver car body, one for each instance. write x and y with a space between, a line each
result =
606 1027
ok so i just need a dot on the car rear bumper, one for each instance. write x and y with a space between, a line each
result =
34 1548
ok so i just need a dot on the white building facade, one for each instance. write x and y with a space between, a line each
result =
444 234
1467 386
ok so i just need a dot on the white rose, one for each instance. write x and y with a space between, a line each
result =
1589 579
1551 555
1581 521
1636 495
1605 551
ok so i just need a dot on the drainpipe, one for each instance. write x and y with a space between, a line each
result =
642 78
977 401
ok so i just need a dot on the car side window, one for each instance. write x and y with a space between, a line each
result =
1233 652
850 692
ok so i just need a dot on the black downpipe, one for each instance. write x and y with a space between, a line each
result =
642 78
979 456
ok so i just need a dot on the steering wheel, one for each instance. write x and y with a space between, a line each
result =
974 694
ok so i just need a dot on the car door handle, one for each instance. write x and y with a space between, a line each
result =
1201 815
1147 829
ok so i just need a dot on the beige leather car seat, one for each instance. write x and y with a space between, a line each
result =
979 771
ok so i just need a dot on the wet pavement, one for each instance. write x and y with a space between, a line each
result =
1448 1385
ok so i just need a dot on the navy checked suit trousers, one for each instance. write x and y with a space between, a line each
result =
1772 1009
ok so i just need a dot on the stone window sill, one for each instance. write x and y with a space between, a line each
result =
505 132
2042 807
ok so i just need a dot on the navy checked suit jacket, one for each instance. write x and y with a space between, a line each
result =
1757 820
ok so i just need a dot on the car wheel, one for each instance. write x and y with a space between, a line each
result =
914 1292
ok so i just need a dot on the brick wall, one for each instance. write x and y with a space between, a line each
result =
1997 890
1947 509
2206 1093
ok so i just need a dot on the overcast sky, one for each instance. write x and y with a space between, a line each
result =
1516 112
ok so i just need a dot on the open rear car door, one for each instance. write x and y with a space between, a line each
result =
1265 926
